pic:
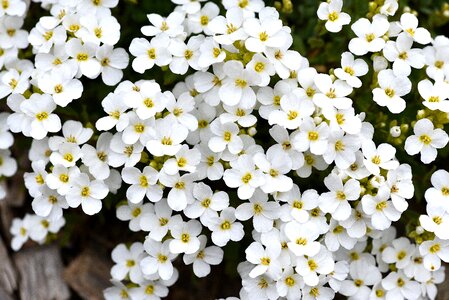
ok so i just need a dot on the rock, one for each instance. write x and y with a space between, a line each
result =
4 295
8 274
88 275
41 274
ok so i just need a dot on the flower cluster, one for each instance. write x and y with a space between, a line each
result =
225 150
76 40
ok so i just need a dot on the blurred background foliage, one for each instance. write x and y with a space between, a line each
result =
323 49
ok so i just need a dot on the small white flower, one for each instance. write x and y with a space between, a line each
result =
426 140
127 262
435 95
203 258
224 228
331 13
150 53
398 286
381 157
403 56
244 176
87 193
39 108
262 211
336 202
391 89
380 208
159 260
409 24
185 237
142 184
236 87
351 69
369 35
302 238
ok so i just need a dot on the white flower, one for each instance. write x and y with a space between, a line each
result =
11 34
87 193
244 176
147 99
185 237
293 110
284 144
150 53
435 95
84 55
127 262
363 274
265 260
262 211
185 160
13 8
369 35
225 136
171 25
433 252
43 38
310 267
133 213
336 202
104 30
149 288
114 106
112 62
401 186
351 69
203 258
331 94
20 230
185 55
331 13
391 89
403 56
275 164
399 253
142 184
380 208
49 204
13 82
199 21
182 110
312 137
341 149
166 137
409 24
159 260
426 140
228 29
39 109
61 85
382 157
62 178
302 238
398 286
264 33
338 236
159 222
236 87
210 53
181 190
439 193
207 203
298 205
124 154
224 228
